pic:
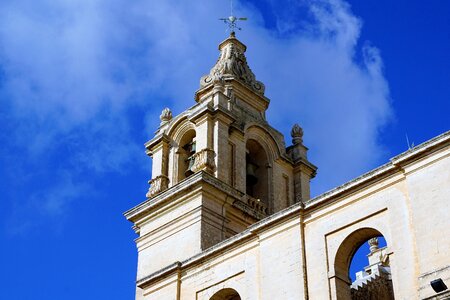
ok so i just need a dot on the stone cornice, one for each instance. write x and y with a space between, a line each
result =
241 90
162 137
217 112
421 149
159 274
184 186
305 165
384 170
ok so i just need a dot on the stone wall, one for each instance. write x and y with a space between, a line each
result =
405 200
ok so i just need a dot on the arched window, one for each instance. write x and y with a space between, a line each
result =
257 171
364 252
226 294
186 153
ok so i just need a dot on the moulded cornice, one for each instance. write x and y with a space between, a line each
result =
191 183
305 165
158 139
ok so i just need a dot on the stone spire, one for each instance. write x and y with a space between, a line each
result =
232 64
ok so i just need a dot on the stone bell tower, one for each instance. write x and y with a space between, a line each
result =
218 167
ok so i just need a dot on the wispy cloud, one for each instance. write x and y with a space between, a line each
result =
320 77
75 72
47 207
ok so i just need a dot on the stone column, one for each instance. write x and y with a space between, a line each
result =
204 156
238 140
222 149
159 151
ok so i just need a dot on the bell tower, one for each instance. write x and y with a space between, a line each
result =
218 167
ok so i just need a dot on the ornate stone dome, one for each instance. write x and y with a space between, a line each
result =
232 64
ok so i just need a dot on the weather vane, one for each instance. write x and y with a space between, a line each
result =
231 21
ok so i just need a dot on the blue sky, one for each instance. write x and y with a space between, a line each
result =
82 84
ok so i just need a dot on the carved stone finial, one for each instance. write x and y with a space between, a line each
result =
297 134
232 64
166 115
373 243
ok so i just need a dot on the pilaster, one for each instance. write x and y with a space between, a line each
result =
158 149
303 170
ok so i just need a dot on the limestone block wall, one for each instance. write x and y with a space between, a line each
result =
281 273
428 183
266 266
382 207
283 185
174 235
165 288
408 205
237 270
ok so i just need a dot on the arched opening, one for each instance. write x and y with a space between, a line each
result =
370 271
226 294
364 250
186 153
257 175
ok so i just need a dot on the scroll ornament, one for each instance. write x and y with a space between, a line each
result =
157 185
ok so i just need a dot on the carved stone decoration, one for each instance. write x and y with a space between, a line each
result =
157 185
166 115
232 64
373 244
204 160
297 134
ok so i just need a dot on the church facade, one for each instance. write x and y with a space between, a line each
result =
229 215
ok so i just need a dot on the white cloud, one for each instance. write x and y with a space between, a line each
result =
73 69
314 78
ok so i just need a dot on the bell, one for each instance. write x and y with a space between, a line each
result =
189 171
251 173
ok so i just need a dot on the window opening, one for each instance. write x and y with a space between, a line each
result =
370 271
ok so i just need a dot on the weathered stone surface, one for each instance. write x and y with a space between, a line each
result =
232 64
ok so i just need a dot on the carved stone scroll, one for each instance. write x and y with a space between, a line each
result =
157 185
204 160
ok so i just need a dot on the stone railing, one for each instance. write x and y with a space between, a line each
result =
157 185
204 160
257 205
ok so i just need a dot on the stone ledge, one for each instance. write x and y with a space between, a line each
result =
161 273
383 170
187 184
